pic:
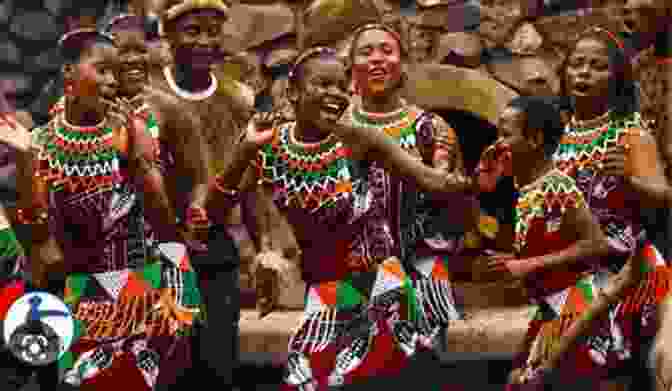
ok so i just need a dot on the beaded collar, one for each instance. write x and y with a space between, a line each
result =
398 124
308 176
78 158
547 194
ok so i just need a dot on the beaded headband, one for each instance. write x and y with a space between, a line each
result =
76 39
124 21
613 38
185 6
378 26
307 55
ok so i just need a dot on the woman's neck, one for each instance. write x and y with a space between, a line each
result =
80 115
307 132
190 79
529 173
589 108
382 104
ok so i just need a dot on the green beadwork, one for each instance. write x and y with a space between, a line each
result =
302 171
608 136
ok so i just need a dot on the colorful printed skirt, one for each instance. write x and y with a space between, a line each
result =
618 336
132 326
365 326
12 262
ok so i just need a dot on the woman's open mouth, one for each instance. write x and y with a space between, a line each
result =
582 88
134 74
334 106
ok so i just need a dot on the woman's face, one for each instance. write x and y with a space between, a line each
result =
94 74
588 70
196 39
322 90
376 65
511 129
133 69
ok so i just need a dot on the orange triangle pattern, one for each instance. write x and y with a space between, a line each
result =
328 293
135 286
393 266
439 271
576 302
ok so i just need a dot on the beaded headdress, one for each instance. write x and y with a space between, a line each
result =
611 37
307 55
125 21
377 26
186 6
73 42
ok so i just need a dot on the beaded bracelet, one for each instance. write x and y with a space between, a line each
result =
664 60
29 217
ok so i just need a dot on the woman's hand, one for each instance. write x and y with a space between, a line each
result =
47 262
498 267
13 133
495 162
616 162
260 129
271 270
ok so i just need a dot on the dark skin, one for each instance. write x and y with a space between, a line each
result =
174 123
587 77
96 65
195 39
578 225
323 83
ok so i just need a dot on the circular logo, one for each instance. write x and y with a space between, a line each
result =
38 328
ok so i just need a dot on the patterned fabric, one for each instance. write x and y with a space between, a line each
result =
356 328
427 229
631 321
361 310
134 304
537 219
12 264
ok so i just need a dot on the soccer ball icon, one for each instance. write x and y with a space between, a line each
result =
39 328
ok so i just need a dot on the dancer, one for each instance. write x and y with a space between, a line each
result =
557 242
193 29
431 229
14 281
179 128
360 301
617 167
134 306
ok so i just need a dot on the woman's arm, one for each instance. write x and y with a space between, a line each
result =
143 159
579 225
379 146
46 257
639 162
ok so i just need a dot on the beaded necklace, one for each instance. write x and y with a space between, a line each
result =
308 176
550 192
585 143
76 158
398 124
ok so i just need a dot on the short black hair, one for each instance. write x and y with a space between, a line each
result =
78 43
541 113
